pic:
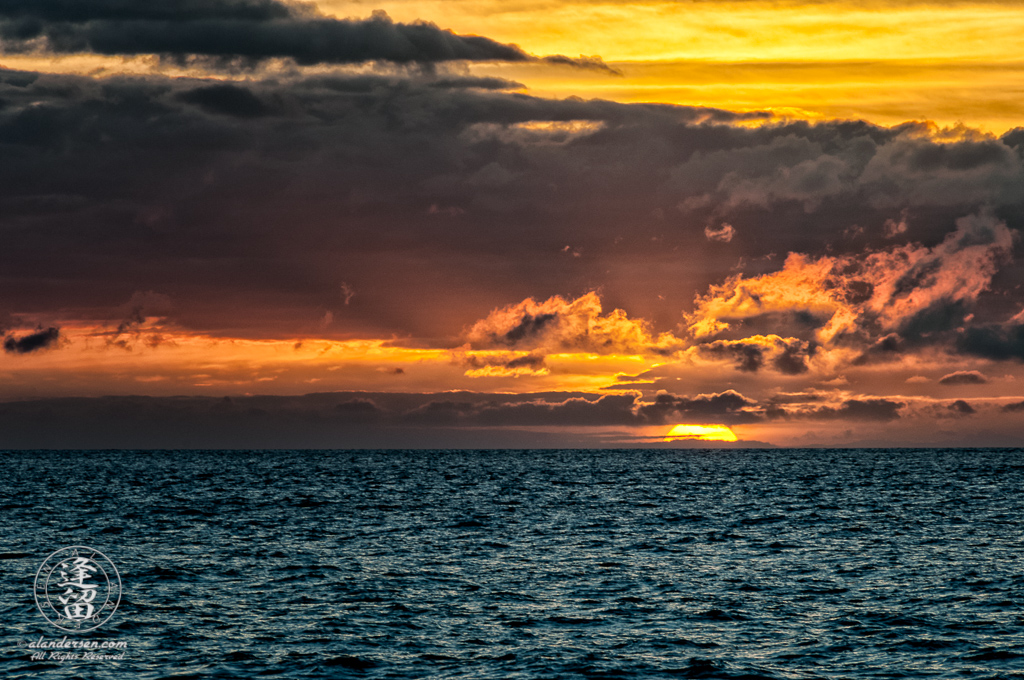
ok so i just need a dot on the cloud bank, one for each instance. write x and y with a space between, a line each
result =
703 258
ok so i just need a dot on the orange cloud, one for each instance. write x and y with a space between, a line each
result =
899 289
559 325
798 286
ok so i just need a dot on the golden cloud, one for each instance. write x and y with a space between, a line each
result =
899 289
559 325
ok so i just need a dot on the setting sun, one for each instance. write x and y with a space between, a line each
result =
711 433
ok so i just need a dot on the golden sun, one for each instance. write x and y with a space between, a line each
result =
710 433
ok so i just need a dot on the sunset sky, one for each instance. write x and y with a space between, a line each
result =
519 223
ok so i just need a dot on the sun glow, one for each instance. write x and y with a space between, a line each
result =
709 433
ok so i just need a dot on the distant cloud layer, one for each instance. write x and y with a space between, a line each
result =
372 419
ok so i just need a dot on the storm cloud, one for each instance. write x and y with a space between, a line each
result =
246 32
259 29
443 186
868 409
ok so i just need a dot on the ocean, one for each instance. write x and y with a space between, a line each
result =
782 563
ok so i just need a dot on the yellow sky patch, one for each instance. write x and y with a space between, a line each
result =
724 31
880 61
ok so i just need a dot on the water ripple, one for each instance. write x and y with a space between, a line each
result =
530 564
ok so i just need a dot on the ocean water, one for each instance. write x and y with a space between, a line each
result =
528 564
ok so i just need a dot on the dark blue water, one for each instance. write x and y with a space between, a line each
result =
529 564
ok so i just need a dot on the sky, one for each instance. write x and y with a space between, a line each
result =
255 223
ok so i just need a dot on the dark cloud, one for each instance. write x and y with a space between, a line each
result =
247 30
415 187
792 359
993 341
963 378
748 356
1014 138
961 407
815 178
529 361
478 82
528 326
795 398
468 409
357 419
860 409
138 10
363 411
887 348
851 409
612 409
785 355
33 342
330 420
227 99
261 185
594 63
724 407
446 412
508 364
1014 408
